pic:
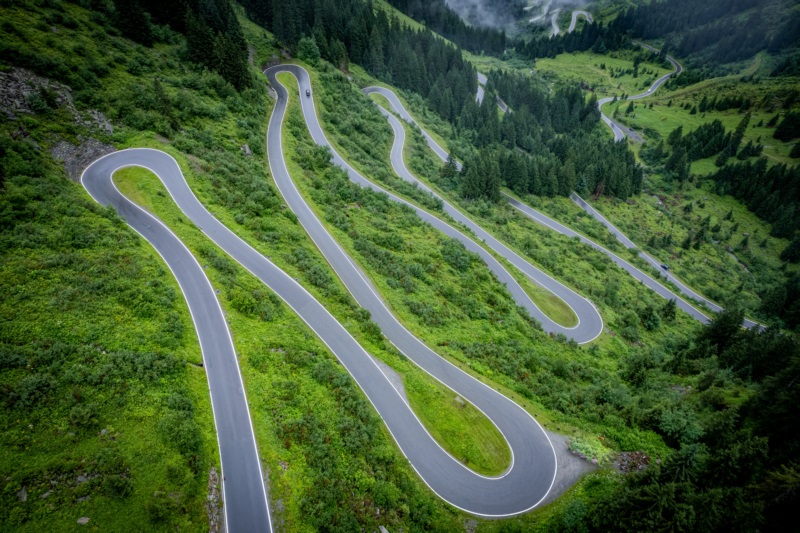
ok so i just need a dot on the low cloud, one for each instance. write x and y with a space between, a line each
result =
503 13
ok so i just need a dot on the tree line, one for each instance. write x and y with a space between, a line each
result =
734 464
714 33
708 140
351 30
707 33
595 37
771 192
214 38
546 146
437 16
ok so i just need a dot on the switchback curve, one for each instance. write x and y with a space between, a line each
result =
243 491
532 472
587 314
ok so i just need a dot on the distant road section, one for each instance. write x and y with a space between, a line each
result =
555 30
482 81
577 13
620 131
590 324
646 278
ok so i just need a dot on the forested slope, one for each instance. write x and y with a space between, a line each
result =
99 366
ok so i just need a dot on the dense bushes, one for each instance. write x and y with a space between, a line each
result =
731 458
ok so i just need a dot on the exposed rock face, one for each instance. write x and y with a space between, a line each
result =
20 88
23 92
83 520
214 503
77 158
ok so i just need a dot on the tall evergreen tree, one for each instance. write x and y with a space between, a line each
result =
133 21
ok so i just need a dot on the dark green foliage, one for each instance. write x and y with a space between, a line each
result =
440 18
117 486
308 51
712 33
345 30
481 177
668 310
454 253
547 146
595 37
677 165
771 192
789 128
731 467
159 508
709 34
133 22
214 39
791 253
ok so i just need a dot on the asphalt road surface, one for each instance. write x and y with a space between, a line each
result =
533 468
574 21
555 30
620 131
531 474
619 134
243 490
481 88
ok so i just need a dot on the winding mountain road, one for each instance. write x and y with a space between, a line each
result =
554 29
533 468
619 134
648 280
620 131
574 21
532 471
243 491
590 323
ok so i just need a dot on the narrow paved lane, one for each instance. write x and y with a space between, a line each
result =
619 134
574 21
618 130
647 279
243 491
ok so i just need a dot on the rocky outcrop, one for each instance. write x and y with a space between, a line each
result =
77 158
214 503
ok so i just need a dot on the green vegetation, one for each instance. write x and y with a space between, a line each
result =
104 409
422 159
614 74
717 129
368 151
203 122
352 204
661 114
99 369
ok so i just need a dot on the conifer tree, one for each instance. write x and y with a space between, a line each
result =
133 22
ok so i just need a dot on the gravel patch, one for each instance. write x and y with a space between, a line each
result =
570 468
394 378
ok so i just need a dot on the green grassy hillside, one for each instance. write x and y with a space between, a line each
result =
105 411
111 293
